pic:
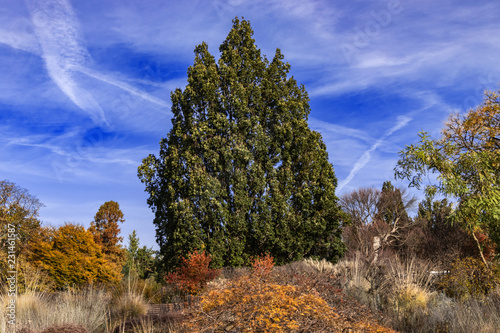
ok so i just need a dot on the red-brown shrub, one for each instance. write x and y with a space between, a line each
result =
193 274
262 265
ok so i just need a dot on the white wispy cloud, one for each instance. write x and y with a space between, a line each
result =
62 48
56 37
24 41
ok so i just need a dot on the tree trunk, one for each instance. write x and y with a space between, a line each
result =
479 247
376 247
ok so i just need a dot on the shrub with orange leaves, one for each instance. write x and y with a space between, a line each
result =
193 274
262 265
253 304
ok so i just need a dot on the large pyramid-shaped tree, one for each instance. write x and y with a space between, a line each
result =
240 173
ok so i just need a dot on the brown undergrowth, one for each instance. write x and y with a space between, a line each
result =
282 299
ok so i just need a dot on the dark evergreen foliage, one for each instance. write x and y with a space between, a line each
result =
240 173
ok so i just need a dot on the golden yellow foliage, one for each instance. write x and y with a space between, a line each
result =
70 257
252 305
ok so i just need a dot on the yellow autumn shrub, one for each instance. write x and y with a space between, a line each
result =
258 303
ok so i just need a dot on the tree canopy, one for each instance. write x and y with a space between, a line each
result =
377 219
18 208
140 260
71 257
240 172
105 230
467 160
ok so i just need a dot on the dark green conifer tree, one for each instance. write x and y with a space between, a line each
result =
240 173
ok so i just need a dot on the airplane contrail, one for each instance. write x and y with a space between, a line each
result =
365 158
63 51
61 46
122 85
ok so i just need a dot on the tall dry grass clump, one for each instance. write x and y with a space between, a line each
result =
41 310
128 302
410 299
321 266
97 310
408 293
38 309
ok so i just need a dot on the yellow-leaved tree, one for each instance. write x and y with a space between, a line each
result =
71 257
467 161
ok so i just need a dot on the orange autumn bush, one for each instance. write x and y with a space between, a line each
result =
193 274
257 303
262 265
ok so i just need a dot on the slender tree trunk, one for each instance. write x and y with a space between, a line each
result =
479 247
376 247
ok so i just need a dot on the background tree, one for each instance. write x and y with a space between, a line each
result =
19 208
361 207
467 161
140 260
377 219
240 172
436 239
392 219
71 257
106 231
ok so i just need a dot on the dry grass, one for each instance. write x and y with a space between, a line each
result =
358 295
321 266
64 328
40 310
405 295
95 309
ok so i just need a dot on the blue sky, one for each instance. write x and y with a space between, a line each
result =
85 85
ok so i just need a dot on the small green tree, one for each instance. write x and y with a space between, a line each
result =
140 260
467 161
240 172
392 219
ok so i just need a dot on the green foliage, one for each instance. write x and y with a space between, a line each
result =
194 273
390 207
470 277
71 257
240 172
140 260
467 161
